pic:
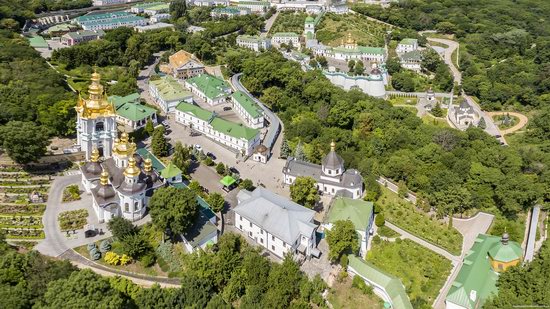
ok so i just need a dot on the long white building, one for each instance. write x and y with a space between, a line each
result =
276 223
241 139
254 42
372 84
248 110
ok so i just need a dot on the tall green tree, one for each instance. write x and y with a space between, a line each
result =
216 202
178 8
174 209
121 227
342 239
24 142
159 145
304 191
181 157
299 153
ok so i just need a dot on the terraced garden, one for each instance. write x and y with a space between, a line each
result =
334 28
289 22
22 202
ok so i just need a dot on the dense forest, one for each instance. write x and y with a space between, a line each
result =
13 13
451 170
231 273
505 50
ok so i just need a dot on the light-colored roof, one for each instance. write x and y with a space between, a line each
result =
130 107
181 58
212 87
393 286
408 41
414 55
475 275
359 212
262 3
251 38
84 33
285 34
360 50
276 214
171 170
37 41
310 19
102 16
248 104
154 26
506 253
114 21
170 90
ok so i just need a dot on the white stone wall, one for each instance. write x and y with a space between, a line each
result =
373 88
263 238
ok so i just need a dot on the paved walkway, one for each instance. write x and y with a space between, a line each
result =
269 23
522 121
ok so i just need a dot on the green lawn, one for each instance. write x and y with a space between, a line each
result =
403 100
343 296
289 22
438 122
385 231
334 28
415 221
422 271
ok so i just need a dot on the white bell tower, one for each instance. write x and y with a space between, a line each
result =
96 125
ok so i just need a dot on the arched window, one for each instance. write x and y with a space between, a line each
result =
136 206
99 126
126 207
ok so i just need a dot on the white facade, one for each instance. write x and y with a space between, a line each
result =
372 85
136 124
157 18
114 24
255 43
108 2
407 45
285 38
256 122
294 234
167 104
254 6
96 133
240 145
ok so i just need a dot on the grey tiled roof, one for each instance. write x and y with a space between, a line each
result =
333 161
276 214
350 179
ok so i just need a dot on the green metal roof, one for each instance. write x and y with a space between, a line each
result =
476 274
235 130
227 181
414 55
248 104
170 90
393 286
102 16
506 253
310 19
155 162
62 27
198 112
130 107
37 41
360 49
212 87
408 41
226 10
359 212
251 38
200 230
262 3
285 34
171 170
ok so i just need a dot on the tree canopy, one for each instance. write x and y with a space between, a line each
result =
174 209
342 239
304 191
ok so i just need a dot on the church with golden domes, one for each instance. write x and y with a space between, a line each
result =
120 181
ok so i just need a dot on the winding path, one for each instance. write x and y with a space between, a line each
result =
522 121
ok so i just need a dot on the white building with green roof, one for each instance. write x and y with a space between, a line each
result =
168 93
255 6
350 50
213 90
107 21
407 45
288 38
359 212
477 278
241 139
254 42
250 112
229 11
131 113
386 286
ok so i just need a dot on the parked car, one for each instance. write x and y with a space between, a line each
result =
198 147
234 170
211 155
165 123
227 108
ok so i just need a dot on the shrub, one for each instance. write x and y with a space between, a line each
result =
208 161
360 284
147 260
112 258
342 276
379 220
376 240
91 246
124 259
344 261
95 254
220 168
105 246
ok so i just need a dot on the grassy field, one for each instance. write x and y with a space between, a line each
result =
403 100
438 122
422 271
334 28
342 296
415 221
289 22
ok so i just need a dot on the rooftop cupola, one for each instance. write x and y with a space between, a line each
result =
132 171
332 164
96 105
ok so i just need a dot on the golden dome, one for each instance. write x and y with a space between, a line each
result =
96 105
332 146
131 170
147 164
104 179
95 155
123 147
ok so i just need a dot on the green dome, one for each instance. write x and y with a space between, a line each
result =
505 252
309 19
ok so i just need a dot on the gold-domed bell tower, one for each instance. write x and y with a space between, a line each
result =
96 120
